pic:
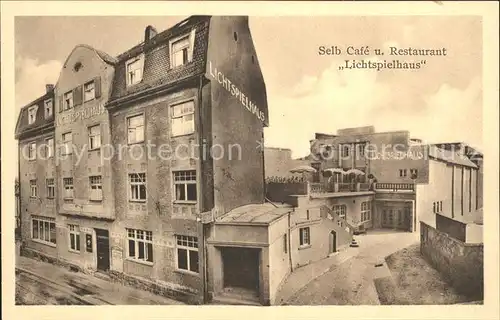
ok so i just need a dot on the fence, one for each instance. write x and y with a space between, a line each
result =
395 186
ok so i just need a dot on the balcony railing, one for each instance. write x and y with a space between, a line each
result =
395 186
338 187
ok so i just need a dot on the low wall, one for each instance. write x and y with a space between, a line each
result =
280 192
459 263
453 228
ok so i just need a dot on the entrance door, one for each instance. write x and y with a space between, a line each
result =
102 249
333 241
241 267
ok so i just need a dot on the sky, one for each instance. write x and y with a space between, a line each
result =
307 93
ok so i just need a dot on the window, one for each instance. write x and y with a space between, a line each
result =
137 183
43 229
437 206
402 172
50 148
67 143
95 188
285 243
304 236
180 51
134 71
33 190
340 210
51 188
135 129
187 253
414 173
74 237
68 188
345 151
94 137
48 108
366 211
68 100
140 245
89 91
441 206
32 151
434 207
307 215
183 118
185 185
361 149
32 114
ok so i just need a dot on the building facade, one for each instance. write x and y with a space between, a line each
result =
411 181
152 146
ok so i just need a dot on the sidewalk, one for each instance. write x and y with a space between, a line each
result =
300 277
90 287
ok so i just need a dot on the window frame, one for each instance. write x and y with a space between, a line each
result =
74 230
51 108
138 184
41 224
32 111
188 173
65 188
340 210
189 249
304 234
93 135
186 47
366 211
32 154
67 106
147 239
50 185
97 183
127 122
49 150
85 99
181 118
33 189
65 151
140 62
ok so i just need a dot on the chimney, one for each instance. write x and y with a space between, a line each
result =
49 87
149 33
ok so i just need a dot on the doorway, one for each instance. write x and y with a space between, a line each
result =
333 242
241 268
102 249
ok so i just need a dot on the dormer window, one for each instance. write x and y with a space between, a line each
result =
48 108
32 114
89 91
134 70
68 100
181 50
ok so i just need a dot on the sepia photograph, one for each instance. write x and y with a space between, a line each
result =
250 160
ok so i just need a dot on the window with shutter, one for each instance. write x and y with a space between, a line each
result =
97 85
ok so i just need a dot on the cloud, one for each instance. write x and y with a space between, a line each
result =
358 97
31 78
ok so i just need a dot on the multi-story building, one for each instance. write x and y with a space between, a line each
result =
154 146
37 174
403 179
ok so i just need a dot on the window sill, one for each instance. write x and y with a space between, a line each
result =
146 263
95 201
137 201
303 247
68 199
50 244
135 143
191 273
185 202
182 135
74 251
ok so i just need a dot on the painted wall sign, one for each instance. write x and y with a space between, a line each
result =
86 112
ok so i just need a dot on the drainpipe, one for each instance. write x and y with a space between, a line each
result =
200 200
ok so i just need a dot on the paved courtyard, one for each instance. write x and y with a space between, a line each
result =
348 277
